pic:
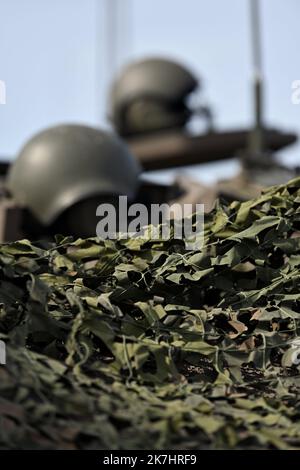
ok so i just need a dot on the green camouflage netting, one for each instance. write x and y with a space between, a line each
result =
136 344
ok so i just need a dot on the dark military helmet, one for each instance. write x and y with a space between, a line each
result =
151 95
64 165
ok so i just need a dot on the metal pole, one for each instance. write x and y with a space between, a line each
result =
111 36
256 139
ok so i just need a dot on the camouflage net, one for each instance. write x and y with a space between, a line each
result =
136 344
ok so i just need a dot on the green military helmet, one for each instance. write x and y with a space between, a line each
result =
67 164
151 95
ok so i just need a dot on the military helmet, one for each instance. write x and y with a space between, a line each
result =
151 95
63 165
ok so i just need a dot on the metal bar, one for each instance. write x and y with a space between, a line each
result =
170 149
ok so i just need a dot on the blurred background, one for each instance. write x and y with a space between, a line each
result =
59 57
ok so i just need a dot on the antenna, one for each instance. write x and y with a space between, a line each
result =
256 141
111 36
118 33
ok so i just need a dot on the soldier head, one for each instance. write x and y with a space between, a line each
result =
151 95
63 173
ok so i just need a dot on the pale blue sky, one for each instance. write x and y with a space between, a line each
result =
56 60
